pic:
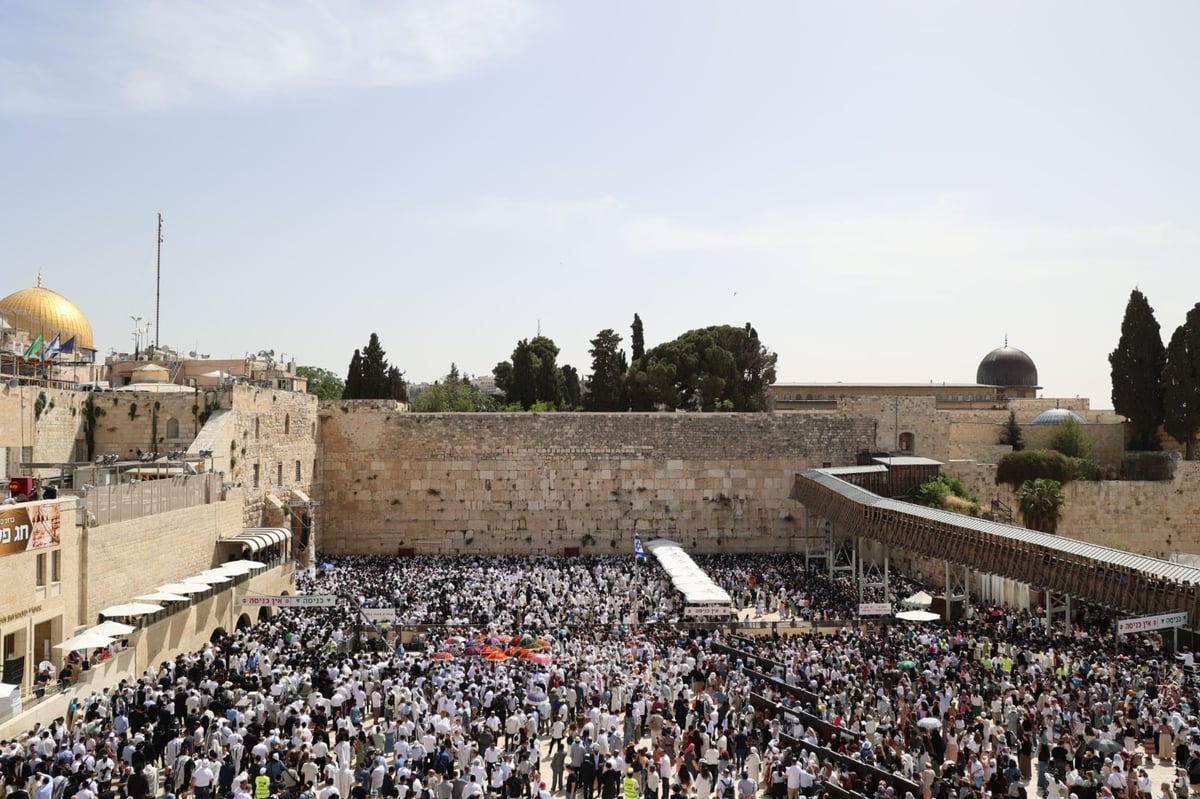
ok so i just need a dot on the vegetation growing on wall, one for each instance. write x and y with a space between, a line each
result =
947 493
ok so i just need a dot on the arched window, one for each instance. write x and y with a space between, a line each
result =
172 427
907 442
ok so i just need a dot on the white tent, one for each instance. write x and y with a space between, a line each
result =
921 599
686 577
917 615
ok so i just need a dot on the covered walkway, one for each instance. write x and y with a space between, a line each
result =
1124 581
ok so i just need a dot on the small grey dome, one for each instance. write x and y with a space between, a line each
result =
1057 416
1006 366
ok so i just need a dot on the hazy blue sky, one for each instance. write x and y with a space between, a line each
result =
884 189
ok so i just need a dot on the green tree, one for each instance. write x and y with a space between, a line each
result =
371 377
354 378
1181 383
572 397
533 376
1041 504
605 384
455 394
948 493
712 368
637 341
322 382
1071 440
1011 434
1137 373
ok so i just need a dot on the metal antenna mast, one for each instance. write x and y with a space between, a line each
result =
158 282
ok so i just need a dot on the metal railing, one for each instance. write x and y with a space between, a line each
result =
119 503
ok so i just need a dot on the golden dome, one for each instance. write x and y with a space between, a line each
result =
42 311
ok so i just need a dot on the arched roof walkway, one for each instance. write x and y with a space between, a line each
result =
1126 582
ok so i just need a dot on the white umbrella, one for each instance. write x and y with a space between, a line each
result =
232 569
164 596
930 723
917 615
254 565
184 588
131 609
209 577
85 640
921 599
112 628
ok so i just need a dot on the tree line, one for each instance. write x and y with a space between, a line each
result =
1156 386
717 368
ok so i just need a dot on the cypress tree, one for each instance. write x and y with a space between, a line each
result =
1181 383
1137 373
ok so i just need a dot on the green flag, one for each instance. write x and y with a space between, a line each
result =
34 348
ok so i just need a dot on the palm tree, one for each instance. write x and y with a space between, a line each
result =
1041 504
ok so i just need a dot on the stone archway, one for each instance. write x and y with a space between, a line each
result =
908 442
243 622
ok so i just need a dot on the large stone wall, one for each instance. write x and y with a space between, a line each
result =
495 483
124 559
1152 518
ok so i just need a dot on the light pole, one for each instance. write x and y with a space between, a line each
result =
136 338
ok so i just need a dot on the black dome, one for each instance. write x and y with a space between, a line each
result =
1006 366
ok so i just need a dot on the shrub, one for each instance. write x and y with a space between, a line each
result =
1087 470
1033 464
1071 440
1147 466
947 493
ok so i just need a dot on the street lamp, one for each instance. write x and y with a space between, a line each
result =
136 338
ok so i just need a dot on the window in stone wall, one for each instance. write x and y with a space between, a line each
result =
907 442
279 473
297 471
40 575
172 428
56 566
256 475
287 423
256 421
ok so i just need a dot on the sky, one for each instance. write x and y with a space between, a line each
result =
885 190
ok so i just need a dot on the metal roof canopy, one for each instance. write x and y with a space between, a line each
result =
686 577
1107 555
258 538
907 460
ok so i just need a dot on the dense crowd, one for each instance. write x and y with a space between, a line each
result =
534 678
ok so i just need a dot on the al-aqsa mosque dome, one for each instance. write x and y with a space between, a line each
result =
40 311
1007 366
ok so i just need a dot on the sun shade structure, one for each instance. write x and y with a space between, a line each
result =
85 640
686 577
212 578
131 609
184 588
111 628
257 539
164 596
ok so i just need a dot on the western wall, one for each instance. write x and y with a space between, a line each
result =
394 482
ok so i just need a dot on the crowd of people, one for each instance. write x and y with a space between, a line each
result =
533 678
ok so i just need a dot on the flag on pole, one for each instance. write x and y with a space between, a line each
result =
34 348
52 349
638 552
68 346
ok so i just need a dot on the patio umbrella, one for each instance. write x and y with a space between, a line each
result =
209 577
443 655
232 568
131 609
917 615
930 723
907 664
185 588
163 596
541 658
252 564
111 627
495 657
85 640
